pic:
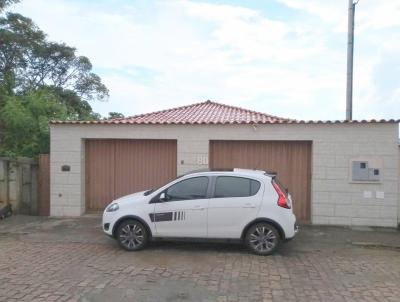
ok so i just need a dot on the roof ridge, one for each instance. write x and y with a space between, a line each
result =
249 110
160 111
209 113
197 104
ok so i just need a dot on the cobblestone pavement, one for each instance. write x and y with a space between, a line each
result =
71 260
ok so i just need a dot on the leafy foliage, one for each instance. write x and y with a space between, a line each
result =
77 109
29 61
25 120
115 115
5 3
40 81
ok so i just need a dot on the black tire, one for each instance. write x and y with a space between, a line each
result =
262 238
132 235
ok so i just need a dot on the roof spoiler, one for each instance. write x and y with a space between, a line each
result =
273 174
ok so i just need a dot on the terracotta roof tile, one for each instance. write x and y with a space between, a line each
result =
210 113
201 113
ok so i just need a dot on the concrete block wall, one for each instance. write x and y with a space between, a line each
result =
3 182
335 199
18 185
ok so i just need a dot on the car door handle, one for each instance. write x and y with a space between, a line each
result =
198 207
248 205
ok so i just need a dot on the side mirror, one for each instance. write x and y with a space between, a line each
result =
163 196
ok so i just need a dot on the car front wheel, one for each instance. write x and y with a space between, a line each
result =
132 235
262 238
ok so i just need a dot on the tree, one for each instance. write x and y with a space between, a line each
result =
26 122
40 81
29 61
77 109
115 115
25 119
5 3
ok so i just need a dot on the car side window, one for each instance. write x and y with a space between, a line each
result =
231 186
192 188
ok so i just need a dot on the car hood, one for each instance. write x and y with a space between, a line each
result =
135 197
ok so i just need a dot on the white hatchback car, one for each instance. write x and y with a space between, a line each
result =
238 204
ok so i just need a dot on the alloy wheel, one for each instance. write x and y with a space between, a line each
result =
132 235
262 239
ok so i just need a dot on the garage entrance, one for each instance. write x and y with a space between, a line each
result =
290 159
115 168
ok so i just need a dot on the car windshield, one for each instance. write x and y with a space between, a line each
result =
148 192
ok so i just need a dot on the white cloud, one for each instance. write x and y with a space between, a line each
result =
334 12
180 52
370 14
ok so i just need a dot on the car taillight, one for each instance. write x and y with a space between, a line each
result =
282 198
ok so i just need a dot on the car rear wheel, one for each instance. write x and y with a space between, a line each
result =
132 235
262 238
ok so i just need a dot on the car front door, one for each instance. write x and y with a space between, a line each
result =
234 203
181 209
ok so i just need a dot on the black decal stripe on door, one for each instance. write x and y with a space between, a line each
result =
159 217
167 216
151 217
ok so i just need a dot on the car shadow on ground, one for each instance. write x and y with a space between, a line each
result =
195 247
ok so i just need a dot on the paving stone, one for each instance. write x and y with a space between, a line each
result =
36 265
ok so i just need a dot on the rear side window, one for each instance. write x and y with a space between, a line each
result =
230 186
281 186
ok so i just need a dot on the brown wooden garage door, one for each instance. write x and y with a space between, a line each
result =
291 160
116 168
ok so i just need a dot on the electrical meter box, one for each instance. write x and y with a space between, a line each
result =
361 171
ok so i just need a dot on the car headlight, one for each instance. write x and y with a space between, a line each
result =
113 207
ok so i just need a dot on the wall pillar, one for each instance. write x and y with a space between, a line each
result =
192 155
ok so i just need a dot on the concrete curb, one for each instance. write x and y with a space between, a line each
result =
375 244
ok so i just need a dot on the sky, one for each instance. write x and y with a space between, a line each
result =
282 57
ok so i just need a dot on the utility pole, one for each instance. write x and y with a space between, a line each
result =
350 49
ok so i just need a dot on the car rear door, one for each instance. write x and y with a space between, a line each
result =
235 201
184 211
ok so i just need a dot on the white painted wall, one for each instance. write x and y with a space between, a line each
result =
398 192
334 199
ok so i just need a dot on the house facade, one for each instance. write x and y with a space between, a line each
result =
339 173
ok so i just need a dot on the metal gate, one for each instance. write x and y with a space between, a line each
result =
290 159
115 168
